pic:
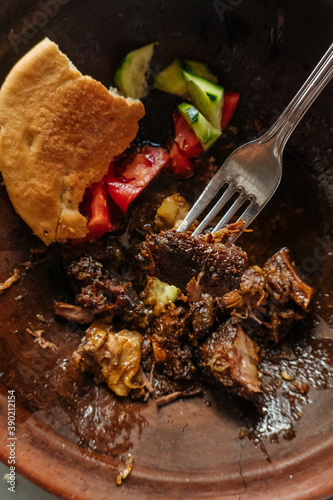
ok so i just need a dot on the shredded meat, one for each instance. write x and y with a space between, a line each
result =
270 299
73 313
176 258
164 400
44 344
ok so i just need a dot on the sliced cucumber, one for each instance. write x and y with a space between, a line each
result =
130 77
172 80
199 69
207 97
204 130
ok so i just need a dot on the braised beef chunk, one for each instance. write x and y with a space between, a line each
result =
101 293
284 283
176 258
270 299
231 358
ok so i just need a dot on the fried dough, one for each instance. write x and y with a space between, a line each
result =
58 132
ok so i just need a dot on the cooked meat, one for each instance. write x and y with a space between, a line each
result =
203 315
101 293
97 290
176 258
231 358
73 313
172 351
112 357
250 295
164 400
86 269
134 311
193 290
270 299
283 282
205 335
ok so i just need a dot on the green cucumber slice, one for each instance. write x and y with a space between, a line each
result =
172 80
207 97
199 69
130 77
203 129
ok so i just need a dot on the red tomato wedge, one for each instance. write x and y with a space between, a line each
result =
99 222
179 165
229 105
128 176
101 211
186 140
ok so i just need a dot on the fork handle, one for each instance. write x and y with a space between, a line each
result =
299 105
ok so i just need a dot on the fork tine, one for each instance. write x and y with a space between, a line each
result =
247 216
206 196
216 209
250 213
232 210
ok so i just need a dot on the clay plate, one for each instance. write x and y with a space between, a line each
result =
73 437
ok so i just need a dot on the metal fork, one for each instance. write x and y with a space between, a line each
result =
253 171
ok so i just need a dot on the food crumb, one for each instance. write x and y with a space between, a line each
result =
286 376
257 124
242 433
125 472
302 387
8 283
38 334
122 417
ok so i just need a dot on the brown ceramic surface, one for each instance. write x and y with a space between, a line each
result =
72 437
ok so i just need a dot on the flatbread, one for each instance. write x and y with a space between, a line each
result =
58 132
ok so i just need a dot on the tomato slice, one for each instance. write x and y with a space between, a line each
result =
186 140
101 211
128 176
99 222
229 105
179 165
